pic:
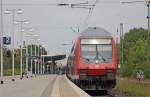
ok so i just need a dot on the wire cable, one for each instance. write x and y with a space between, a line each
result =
88 17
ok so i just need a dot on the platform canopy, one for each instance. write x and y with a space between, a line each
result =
53 57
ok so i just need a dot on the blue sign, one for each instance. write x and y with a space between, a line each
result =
7 40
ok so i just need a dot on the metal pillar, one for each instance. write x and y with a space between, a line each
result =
13 37
31 60
35 61
121 42
43 62
148 18
148 31
1 42
21 47
27 58
38 60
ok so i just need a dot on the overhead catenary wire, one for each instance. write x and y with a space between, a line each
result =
133 2
55 4
30 4
88 17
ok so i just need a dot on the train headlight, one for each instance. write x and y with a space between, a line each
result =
110 75
96 61
83 71
109 71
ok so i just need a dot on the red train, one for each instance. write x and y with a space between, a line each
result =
92 63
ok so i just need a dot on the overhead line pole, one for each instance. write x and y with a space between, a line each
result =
148 11
148 17
148 24
121 41
148 30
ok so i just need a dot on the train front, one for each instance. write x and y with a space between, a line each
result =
97 63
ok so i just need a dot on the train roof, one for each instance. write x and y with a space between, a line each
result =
95 32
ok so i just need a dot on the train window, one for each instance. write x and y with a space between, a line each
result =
96 41
105 52
96 53
88 51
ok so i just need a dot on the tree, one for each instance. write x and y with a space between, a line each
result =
135 52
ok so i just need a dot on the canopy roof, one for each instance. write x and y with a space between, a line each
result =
54 57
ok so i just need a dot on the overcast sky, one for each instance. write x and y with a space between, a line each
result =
54 23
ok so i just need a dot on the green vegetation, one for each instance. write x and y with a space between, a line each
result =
135 53
133 88
7 55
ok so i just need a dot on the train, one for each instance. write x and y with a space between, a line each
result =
92 62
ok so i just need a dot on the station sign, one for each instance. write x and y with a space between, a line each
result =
6 40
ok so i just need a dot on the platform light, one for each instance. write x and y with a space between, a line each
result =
13 12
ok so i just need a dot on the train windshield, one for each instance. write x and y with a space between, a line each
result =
96 51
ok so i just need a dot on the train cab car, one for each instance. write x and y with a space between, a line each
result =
92 63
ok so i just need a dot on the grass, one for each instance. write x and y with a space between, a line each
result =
133 88
8 72
17 71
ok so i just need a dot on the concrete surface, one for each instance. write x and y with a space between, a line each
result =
31 87
65 88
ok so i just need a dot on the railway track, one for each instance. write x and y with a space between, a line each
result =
111 94
101 94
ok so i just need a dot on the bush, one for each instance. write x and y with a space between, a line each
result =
135 53
147 72
126 70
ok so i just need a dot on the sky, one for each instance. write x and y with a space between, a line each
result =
55 25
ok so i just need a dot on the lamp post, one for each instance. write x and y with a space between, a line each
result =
27 53
31 49
35 54
35 67
21 41
43 59
1 41
13 11
31 60
31 54
38 56
27 58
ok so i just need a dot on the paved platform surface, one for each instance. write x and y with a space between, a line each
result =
39 86
65 88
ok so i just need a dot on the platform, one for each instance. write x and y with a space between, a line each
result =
38 86
65 88
41 86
